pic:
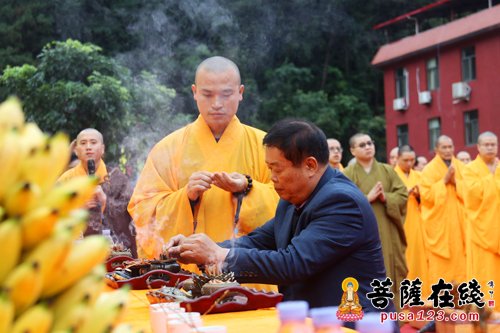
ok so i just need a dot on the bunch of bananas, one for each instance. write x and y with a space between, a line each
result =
50 281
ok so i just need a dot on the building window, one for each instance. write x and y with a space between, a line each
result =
432 74
401 83
471 126
434 132
468 64
402 135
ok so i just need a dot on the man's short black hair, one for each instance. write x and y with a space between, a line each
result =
298 139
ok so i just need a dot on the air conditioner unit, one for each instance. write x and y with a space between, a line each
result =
424 97
399 104
461 90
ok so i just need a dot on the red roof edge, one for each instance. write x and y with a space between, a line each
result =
409 14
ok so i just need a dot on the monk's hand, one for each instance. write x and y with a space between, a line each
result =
98 199
198 183
172 248
231 182
450 175
382 196
200 249
414 191
373 194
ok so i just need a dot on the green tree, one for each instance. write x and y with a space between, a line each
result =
74 86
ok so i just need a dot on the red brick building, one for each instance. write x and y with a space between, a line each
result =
445 80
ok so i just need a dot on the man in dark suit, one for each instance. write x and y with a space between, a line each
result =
324 229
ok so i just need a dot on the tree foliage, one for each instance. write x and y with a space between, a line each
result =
74 86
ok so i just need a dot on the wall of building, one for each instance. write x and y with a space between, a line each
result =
485 96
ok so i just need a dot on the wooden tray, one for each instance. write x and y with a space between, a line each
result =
231 299
150 280
117 262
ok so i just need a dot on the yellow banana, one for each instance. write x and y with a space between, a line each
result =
73 318
76 222
70 194
24 285
37 225
83 257
10 159
59 157
49 161
37 319
32 139
21 198
85 290
2 213
6 314
10 246
11 114
106 312
50 256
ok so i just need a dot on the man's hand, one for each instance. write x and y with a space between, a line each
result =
197 249
172 248
198 183
98 199
414 191
231 182
450 175
377 192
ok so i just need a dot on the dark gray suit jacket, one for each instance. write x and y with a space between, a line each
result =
336 237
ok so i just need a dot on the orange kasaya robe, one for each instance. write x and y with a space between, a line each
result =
95 222
78 170
482 208
443 219
416 250
160 206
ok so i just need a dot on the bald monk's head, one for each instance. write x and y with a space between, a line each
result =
217 91
89 145
444 147
487 146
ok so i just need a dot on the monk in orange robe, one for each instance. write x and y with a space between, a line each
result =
196 179
482 207
416 256
443 214
89 145
335 150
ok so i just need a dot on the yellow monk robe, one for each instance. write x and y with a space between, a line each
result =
482 208
160 206
444 226
78 170
390 216
416 251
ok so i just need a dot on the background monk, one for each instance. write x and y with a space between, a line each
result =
393 156
192 177
416 256
442 214
482 207
387 195
89 145
335 150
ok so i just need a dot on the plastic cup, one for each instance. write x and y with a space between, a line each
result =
158 315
